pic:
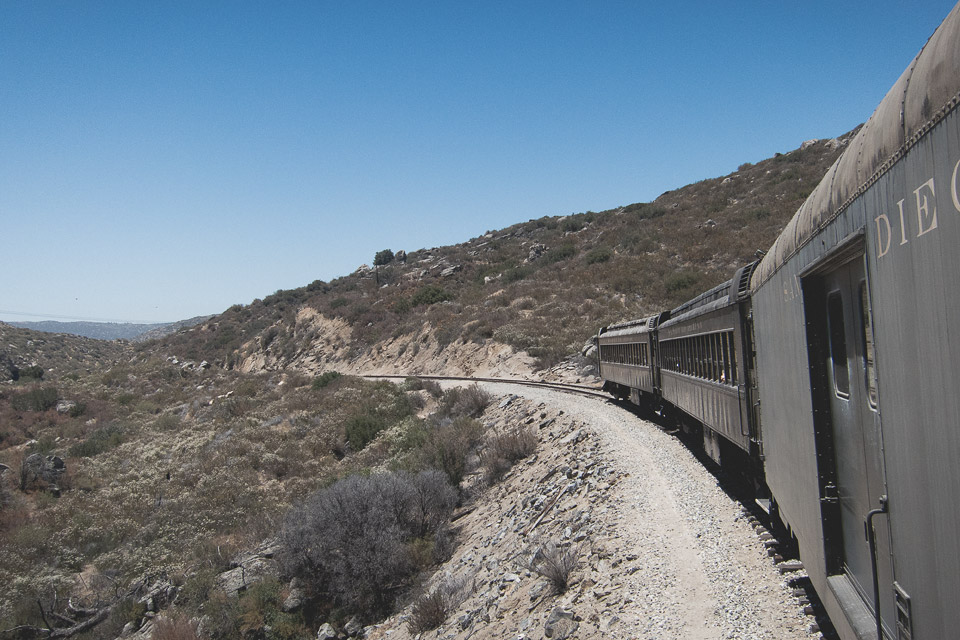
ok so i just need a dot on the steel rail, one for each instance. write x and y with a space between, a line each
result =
581 389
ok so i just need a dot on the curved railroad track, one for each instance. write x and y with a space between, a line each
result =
581 389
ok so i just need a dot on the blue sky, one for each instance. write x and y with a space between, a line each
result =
161 160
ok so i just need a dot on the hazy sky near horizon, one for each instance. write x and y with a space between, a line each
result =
162 160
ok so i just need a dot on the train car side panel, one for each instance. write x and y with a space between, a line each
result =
862 290
916 313
702 369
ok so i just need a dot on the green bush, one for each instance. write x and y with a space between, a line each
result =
103 439
383 257
39 399
324 379
516 274
430 294
599 255
362 429
35 373
261 613
681 281
560 253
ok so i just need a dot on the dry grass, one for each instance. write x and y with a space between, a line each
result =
505 449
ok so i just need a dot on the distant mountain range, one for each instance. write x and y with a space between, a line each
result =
111 330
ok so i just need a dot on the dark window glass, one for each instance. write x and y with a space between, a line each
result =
838 345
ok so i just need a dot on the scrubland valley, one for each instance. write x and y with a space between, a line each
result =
238 479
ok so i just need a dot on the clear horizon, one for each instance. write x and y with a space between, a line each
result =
164 161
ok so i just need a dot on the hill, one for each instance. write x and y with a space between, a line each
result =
110 330
536 290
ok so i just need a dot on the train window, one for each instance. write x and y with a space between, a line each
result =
714 358
838 345
704 363
869 364
733 359
724 359
717 358
695 350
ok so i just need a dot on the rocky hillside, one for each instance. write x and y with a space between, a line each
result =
57 355
522 297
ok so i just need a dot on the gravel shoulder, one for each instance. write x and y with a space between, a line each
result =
663 551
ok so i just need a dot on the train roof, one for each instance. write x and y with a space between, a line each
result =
925 93
722 295
630 327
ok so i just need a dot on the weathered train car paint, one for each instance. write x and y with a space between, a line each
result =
722 406
887 209
627 353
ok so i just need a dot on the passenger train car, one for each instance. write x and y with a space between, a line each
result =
831 368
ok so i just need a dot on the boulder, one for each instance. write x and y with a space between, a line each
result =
40 468
8 370
353 627
326 632
66 406
536 251
250 567
561 624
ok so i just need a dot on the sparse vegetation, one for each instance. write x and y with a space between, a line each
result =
556 563
505 449
39 399
176 460
431 609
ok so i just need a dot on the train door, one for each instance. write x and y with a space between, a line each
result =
850 449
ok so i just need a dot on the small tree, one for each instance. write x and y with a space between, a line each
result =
383 257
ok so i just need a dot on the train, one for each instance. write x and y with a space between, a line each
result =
828 370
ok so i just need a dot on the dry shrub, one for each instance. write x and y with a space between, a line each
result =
505 449
432 608
353 542
433 388
465 402
176 628
448 446
556 563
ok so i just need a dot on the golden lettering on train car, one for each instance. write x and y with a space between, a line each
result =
926 202
926 208
883 234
